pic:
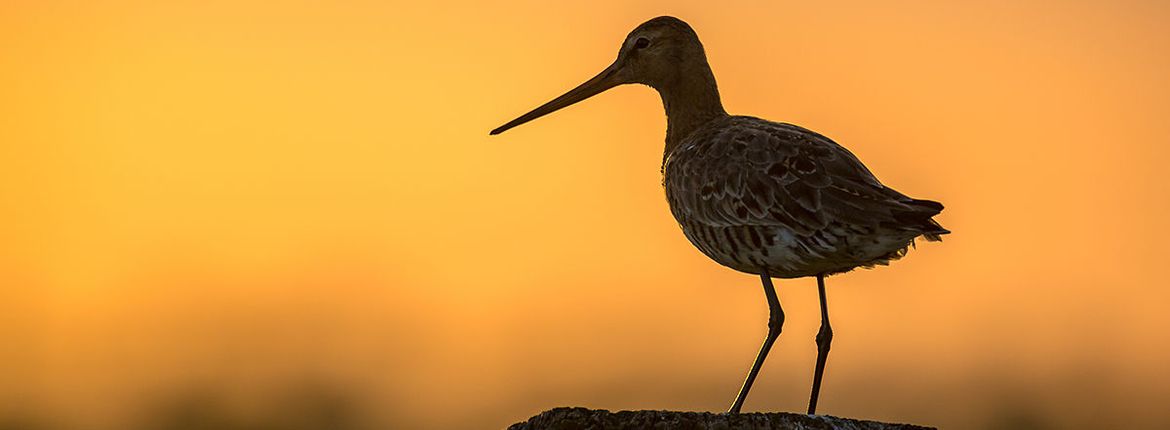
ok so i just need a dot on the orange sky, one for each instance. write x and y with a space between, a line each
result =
244 200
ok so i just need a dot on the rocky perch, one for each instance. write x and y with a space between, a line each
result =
590 419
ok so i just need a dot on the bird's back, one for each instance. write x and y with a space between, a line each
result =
757 195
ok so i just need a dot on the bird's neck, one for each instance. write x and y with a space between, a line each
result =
690 101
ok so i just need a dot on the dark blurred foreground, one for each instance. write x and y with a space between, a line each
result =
307 407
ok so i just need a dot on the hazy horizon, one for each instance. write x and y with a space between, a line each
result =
241 215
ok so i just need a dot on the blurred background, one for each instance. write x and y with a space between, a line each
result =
252 215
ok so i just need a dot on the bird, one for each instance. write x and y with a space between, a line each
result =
764 198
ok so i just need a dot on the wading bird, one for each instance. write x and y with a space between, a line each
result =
761 197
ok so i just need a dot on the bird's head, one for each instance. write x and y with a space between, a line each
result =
657 53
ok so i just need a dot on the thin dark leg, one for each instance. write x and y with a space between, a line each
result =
824 338
775 321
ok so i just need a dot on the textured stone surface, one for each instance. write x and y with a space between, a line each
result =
590 419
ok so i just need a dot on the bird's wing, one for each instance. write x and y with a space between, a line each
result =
756 172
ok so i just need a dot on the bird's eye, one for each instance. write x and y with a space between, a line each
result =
642 42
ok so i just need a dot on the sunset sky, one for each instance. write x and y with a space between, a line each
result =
292 212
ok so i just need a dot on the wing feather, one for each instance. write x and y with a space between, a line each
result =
749 171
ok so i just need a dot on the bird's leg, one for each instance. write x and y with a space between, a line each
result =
824 338
775 321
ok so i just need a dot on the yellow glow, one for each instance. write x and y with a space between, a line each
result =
256 199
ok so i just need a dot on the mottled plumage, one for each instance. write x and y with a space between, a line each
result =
757 196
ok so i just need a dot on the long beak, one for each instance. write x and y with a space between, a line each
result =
603 81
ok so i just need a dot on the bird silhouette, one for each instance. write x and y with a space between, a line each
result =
761 197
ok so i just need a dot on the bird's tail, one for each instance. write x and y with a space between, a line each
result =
935 233
920 218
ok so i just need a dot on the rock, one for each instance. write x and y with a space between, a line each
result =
599 419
